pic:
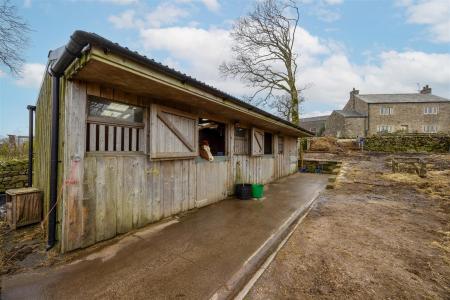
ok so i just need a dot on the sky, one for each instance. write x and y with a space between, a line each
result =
376 46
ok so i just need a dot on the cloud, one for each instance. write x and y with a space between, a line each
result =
333 2
31 75
165 14
391 72
212 5
324 10
433 13
124 20
324 65
2 74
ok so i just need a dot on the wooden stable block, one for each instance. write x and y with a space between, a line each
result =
23 207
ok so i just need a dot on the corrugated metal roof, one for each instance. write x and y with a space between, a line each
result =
350 114
401 98
99 41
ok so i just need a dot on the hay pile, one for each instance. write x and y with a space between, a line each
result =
325 144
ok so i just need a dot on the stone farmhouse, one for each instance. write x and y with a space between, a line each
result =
369 114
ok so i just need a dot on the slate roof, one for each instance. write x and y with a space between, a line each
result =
401 98
318 118
350 114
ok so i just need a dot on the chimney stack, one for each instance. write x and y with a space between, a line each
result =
425 90
352 97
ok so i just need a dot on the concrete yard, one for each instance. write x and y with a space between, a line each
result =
194 256
377 235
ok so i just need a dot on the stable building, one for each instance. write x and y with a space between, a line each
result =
119 138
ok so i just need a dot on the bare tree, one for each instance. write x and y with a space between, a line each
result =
282 105
13 37
263 53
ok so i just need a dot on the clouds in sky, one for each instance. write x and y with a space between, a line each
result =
325 65
212 5
31 75
435 14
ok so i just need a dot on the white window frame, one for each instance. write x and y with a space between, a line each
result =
386 111
431 110
384 128
430 128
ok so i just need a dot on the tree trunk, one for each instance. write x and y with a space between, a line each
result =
295 118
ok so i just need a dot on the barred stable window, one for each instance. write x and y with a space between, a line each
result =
384 128
241 144
113 126
430 128
386 111
280 145
430 110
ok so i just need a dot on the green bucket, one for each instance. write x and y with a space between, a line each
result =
257 190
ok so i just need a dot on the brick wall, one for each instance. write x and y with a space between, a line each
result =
13 174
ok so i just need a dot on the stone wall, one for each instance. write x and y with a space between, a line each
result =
315 126
354 127
408 143
335 125
410 115
13 174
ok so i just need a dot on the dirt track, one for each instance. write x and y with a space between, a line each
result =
377 235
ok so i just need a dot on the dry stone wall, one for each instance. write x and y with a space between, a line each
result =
439 143
13 174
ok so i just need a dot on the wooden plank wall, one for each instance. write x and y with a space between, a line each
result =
41 166
110 193
212 182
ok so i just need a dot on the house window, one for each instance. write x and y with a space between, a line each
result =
268 143
384 128
241 145
212 133
280 145
430 128
385 111
430 110
113 126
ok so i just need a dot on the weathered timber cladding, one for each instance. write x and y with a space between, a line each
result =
109 193
41 174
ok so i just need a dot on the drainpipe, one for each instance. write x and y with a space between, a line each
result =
31 110
71 51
